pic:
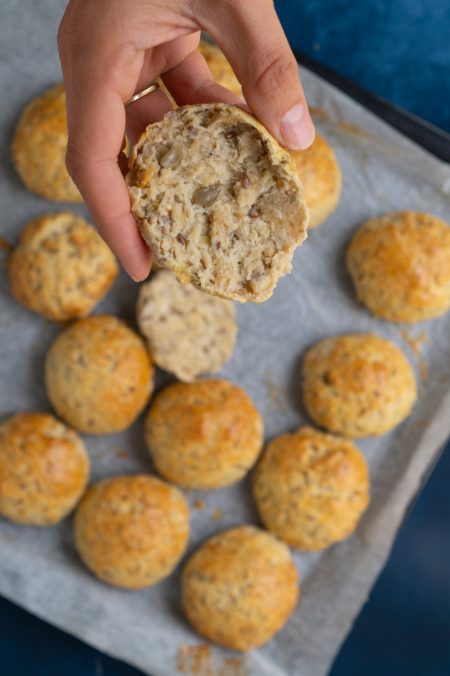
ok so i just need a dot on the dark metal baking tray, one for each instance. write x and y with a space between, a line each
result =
431 138
425 134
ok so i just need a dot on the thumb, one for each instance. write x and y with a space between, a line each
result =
254 42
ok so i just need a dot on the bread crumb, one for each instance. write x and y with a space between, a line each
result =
423 368
217 515
419 426
195 660
4 244
277 394
354 130
415 342
319 113
233 666
198 504
198 660
223 183
123 455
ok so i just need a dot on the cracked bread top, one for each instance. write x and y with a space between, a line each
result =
311 488
239 588
98 375
400 266
357 385
61 268
44 469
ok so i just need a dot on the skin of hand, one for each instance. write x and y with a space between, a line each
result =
109 49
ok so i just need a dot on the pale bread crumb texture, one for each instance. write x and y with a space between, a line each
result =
39 147
44 469
131 531
205 434
188 332
61 267
321 176
311 488
400 266
98 375
218 200
239 588
357 385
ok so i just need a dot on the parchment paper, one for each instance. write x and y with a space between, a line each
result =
39 568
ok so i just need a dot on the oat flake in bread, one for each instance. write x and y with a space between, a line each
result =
98 375
218 200
61 268
131 531
400 266
205 434
239 588
320 174
39 147
188 332
44 469
357 385
311 488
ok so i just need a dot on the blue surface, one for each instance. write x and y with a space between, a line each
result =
400 50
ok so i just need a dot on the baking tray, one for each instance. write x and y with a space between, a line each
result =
39 568
433 139
430 137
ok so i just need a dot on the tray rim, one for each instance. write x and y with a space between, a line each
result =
430 137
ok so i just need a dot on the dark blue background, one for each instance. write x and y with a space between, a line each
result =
399 49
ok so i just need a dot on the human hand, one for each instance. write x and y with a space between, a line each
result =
109 49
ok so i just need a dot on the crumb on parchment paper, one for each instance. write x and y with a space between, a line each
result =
5 245
416 342
198 503
423 368
195 660
123 455
217 515
354 130
319 113
198 660
278 395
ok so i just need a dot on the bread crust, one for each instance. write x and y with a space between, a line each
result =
321 176
131 531
220 68
205 434
44 469
311 488
357 385
400 266
239 588
98 375
39 147
61 267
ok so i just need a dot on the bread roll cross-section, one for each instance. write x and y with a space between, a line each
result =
218 200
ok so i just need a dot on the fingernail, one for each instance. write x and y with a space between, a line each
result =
297 129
